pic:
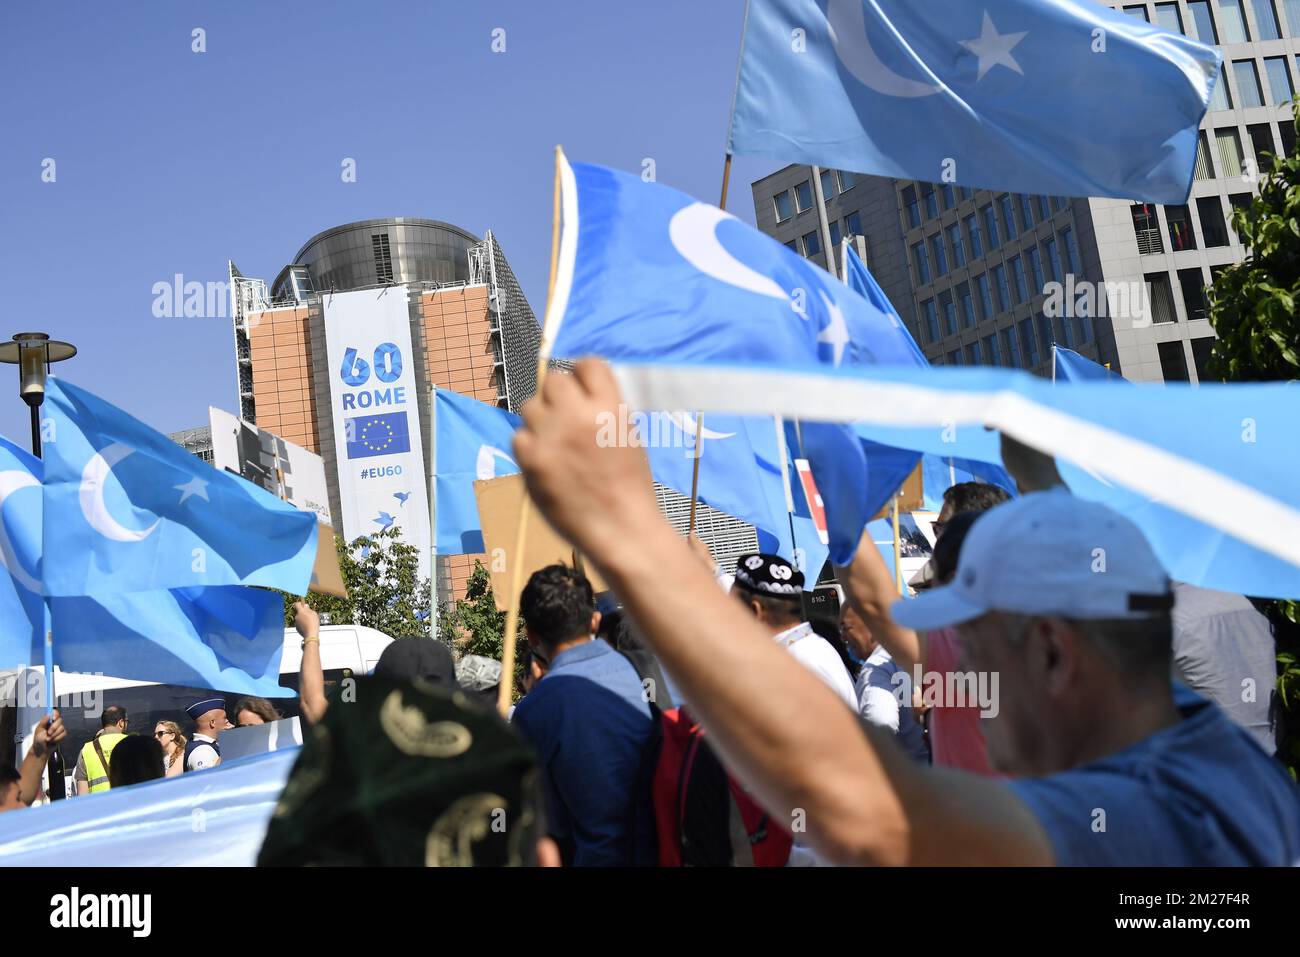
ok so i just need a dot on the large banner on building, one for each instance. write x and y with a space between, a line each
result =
377 435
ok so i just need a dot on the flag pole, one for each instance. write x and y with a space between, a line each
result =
433 511
516 558
898 549
699 418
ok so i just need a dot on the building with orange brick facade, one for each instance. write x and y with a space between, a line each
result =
471 330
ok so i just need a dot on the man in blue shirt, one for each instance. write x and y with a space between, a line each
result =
590 722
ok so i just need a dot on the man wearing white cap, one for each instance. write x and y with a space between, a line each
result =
210 720
1063 598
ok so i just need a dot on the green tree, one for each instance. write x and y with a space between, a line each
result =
473 625
385 590
1253 311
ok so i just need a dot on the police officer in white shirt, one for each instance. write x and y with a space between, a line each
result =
773 591
209 716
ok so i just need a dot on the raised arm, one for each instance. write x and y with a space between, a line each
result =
49 732
776 725
311 678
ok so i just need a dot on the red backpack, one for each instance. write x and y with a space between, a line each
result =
703 817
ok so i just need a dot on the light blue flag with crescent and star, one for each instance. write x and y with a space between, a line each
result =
1058 97
22 611
127 509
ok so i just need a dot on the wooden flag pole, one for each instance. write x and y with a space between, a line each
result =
505 689
699 419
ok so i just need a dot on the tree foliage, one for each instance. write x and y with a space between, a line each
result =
1253 311
385 590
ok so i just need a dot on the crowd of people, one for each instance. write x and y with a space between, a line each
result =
1047 696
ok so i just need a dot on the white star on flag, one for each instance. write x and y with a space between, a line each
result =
836 333
195 486
994 48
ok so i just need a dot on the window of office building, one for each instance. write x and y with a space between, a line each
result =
812 245
1146 225
1181 235
938 256
967 305
1221 96
1046 335
1287 132
1004 293
1064 331
985 295
1044 210
1203 168
931 313
975 235
1213 229
921 259
931 201
1266 20
803 196
973 356
1203 22
1071 249
1247 76
1240 201
1160 297
949 310
1192 284
828 183
1018 274
847 180
1011 346
1028 343
783 209
1008 218
1173 362
1168 17
1138 12
949 196
1201 357
1036 269
991 350
991 226
1280 90
1232 22
1027 211
954 244
912 205
835 233
1085 328
954 357
1054 259
792 246
1261 142
853 224
1231 160
1292 10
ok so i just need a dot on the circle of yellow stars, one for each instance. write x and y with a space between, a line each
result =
365 435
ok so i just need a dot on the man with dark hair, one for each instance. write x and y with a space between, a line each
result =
91 774
589 720
968 497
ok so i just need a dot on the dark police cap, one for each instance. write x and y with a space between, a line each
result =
408 773
769 575
199 708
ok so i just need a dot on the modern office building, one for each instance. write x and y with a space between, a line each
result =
470 330
978 275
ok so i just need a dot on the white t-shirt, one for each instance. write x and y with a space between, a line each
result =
813 652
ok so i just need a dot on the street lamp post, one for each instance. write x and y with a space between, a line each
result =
33 352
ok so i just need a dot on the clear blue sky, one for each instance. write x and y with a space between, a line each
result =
170 161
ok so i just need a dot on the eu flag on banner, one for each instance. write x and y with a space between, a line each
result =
384 434
1059 97
22 611
127 509
646 272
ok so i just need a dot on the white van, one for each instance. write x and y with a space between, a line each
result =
345 650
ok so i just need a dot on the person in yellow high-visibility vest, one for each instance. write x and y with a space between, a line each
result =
91 775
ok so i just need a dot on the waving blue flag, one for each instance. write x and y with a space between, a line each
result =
472 442
1060 97
22 612
858 278
1219 461
126 509
1069 366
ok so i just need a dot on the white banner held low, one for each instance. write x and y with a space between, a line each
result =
378 439
286 470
